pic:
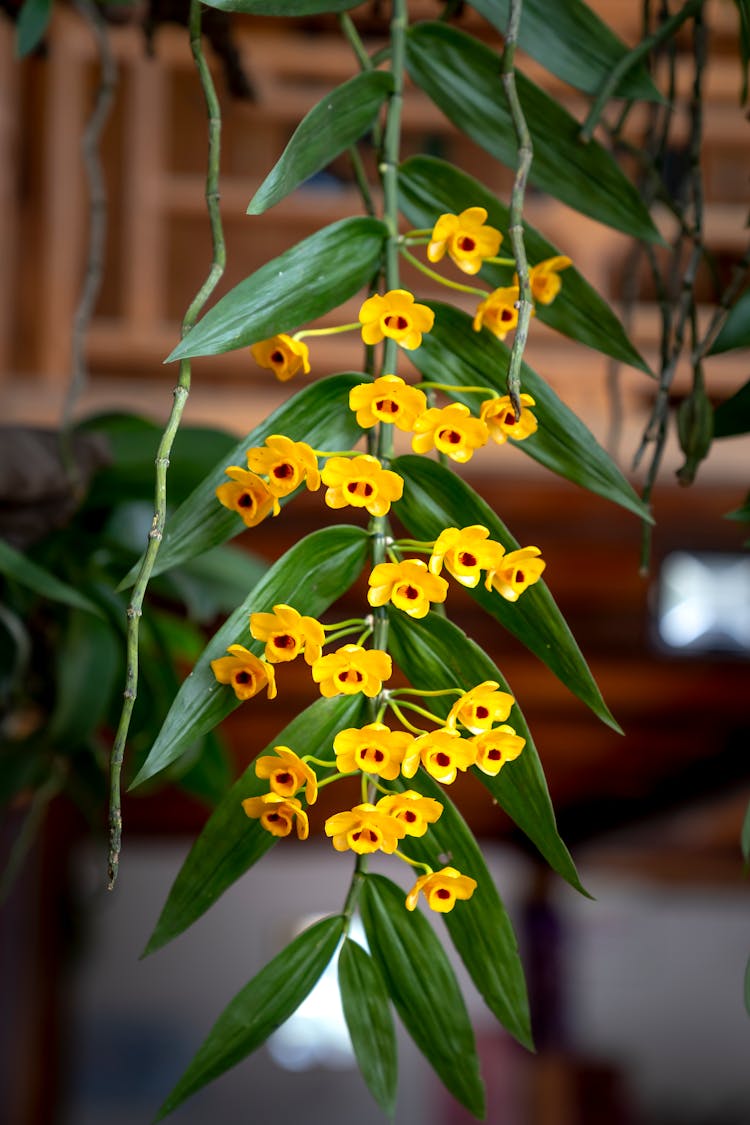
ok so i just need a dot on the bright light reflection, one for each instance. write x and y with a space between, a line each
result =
704 602
317 1035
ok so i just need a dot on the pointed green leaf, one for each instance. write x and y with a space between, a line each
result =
732 417
423 987
262 1006
428 187
462 76
310 577
283 7
331 126
15 565
230 843
435 498
434 653
455 354
33 20
318 414
315 276
480 928
735 331
88 667
573 43
367 1012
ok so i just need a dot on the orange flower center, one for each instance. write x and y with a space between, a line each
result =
409 816
466 243
451 436
443 759
243 677
284 778
481 712
283 471
387 406
467 559
494 755
410 592
506 314
284 640
442 893
360 488
245 500
397 322
351 676
510 419
277 357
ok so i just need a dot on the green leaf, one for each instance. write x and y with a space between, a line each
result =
434 653
318 414
735 331
462 76
210 775
262 1006
230 843
88 668
367 1011
455 354
435 498
732 417
423 987
283 7
33 20
133 443
315 276
573 43
310 576
15 565
428 187
480 928
331 126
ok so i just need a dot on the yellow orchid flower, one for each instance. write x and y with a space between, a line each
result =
387 399
287 633
287 773
282 355
496 747
408 584
465 238
465 552
415 811
501 420
396 315
246 494
545 280
499 311
480 707
442 752
246 673
364 829
352 669
441 889
361 482
374 748
515 572
278 814
285 464
451 430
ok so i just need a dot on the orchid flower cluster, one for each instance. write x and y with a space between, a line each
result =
404 703
379 754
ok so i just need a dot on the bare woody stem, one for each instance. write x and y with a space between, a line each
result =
165 446
665 31
97 225
515 228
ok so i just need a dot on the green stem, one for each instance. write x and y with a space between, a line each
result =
351 34
403 719
355 888
414 862
181 392
515 227
501 261
421 711
435 276
665 31
326 331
